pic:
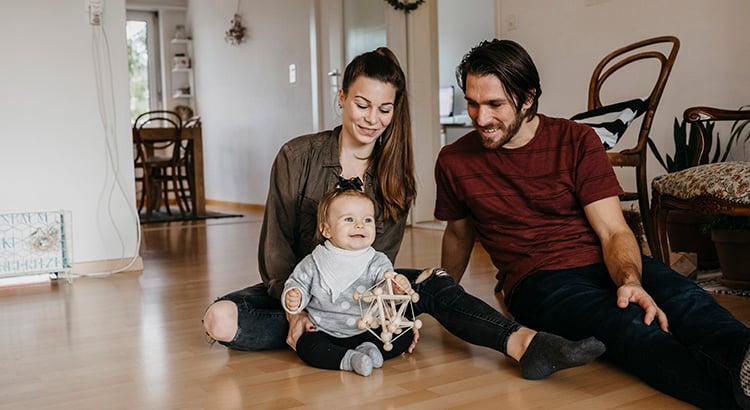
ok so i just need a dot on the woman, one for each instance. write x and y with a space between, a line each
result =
374 144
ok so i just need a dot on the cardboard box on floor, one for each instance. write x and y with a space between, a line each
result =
685 263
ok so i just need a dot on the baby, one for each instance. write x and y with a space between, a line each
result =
325 281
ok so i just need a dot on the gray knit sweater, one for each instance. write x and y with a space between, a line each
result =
339 317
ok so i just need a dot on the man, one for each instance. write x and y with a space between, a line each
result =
542 197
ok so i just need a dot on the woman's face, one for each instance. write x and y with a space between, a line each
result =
367 109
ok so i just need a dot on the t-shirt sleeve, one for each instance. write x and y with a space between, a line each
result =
448 205
595 177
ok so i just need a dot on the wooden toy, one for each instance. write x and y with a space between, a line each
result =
387 310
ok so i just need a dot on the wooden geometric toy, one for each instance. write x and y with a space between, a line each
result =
386 310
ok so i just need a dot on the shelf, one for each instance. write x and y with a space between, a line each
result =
182 82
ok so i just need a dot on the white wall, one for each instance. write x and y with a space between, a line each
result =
567 41
53 141
247 105
460 28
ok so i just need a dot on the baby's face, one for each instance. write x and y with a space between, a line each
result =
351 223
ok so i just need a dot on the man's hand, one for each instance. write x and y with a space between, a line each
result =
298 324
293 299
636 294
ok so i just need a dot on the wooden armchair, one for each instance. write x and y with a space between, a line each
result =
709 189
622 61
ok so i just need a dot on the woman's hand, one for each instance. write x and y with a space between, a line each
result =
414 340
298 324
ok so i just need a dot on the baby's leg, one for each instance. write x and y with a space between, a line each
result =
320 350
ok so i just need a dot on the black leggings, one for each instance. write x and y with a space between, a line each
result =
321 350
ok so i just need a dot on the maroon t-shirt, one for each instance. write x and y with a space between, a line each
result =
527 203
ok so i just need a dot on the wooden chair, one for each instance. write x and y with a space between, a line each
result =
160 160
186 168
616 62
708 189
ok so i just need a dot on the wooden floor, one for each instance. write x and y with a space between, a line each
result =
135 341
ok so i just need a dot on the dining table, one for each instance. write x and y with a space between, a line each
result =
194 134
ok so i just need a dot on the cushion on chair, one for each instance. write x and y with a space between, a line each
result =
610 121
729 181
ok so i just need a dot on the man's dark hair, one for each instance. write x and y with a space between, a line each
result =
511 64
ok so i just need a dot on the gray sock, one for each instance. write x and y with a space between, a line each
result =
372 351
360 363
548 353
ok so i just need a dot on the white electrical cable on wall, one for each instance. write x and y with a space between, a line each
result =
107 111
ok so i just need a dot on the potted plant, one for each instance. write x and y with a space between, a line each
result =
731 236
685 145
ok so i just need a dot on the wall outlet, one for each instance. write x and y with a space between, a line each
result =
292 73
95 12
512 22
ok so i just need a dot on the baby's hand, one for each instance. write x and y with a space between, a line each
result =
403 287
293 299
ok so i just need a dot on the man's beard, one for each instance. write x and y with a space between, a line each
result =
510 132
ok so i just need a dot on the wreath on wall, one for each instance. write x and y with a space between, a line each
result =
406 6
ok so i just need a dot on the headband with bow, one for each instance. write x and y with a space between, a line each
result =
351 184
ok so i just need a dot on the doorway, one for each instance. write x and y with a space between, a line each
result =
459 29
144 83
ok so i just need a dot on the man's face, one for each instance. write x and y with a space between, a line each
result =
492 111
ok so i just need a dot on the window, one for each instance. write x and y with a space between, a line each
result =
143 64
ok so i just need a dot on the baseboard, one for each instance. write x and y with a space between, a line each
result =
237 205
25 280
106 266
433 225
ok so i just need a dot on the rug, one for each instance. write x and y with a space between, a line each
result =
163 216
714 285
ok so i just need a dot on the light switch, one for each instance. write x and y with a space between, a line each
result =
292 73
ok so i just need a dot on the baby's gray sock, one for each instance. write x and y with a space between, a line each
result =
548 353
372 351
359 362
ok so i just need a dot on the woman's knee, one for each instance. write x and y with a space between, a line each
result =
220 320
430 273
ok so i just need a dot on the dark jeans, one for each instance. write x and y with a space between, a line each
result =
321 350
696 363
262 323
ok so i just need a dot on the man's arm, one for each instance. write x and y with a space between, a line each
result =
458 241
622 257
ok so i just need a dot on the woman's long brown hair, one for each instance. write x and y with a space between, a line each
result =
393 153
